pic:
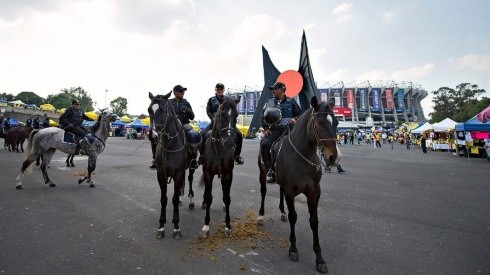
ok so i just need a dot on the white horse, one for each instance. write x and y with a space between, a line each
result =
46 141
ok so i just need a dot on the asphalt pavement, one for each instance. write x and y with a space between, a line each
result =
395 211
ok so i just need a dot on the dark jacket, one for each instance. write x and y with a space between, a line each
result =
46 123
213 104
183 109
29 122
6 125
72 117
35 123
289 109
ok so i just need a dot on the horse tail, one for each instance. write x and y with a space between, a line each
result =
28 150
201 182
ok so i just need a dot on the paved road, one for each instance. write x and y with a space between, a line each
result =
393 212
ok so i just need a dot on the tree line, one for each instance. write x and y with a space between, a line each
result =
64 98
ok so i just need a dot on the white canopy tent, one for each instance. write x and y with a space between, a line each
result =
445 125
422 128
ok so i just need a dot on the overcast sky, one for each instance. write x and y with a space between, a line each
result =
133 47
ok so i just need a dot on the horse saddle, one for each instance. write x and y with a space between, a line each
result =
69 138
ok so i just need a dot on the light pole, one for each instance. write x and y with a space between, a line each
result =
105 99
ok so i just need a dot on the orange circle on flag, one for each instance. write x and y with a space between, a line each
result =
293 81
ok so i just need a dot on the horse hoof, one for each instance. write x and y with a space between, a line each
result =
192 205
160 234
228 232
19 187
177 235
293 256
68 165
322 268
284 217
52 184
260 221
205 234
91 185
73 165
80 181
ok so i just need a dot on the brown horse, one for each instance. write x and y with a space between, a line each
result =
299 170
16 136
172 158
219 159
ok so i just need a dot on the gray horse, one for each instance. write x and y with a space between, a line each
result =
45 142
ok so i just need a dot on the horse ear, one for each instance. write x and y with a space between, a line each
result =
167 95
150 95
238 99
314 103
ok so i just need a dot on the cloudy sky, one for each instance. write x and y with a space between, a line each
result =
131 47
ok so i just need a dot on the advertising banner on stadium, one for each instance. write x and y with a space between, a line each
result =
399 98
362 99
409 101
376 94
349 94
390 105
337 95
323 94
241 104
250 102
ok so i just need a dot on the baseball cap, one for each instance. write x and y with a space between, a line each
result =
179 88
277 85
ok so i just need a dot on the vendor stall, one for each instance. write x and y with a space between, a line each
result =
473 134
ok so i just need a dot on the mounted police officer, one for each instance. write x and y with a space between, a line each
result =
280 112
211 109
184 112
71 121
29 122
6 125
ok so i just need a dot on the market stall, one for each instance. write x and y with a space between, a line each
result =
472 136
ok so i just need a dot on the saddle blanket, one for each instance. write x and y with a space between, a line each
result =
69 138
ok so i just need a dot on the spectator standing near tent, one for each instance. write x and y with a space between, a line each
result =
384 137
423 144
408 141
6 125
35 122
46 122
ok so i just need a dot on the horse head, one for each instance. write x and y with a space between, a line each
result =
107 115
324 125
162 115
225 121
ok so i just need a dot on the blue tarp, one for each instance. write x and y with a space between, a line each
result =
88 123
136 124
117 123
14 122
473 125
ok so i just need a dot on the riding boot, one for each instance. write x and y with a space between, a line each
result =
201 151
193 154
271 175
238 149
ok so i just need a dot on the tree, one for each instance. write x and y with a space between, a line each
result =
119 106
8 97
459 104
65 97
30 98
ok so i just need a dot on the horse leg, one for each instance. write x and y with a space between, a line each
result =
312 201
226 181
178 183
25 165
71 160
208 199
293 251
162 181
181 191
92 161
22 146
284 217
263 192
68 161
190 178
46 159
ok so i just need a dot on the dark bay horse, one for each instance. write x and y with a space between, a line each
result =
46 141
16 136
298 168
219 159
172 158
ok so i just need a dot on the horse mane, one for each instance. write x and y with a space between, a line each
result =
96 125
301 122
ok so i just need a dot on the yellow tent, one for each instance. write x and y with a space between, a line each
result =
125 119
92 115
47 107
53 123
145 121
61 111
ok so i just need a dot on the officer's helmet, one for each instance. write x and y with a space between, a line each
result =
272 115
193 137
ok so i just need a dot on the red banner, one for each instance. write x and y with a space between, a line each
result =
389 99
349 93
342 111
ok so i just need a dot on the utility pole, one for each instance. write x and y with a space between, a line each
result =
105 100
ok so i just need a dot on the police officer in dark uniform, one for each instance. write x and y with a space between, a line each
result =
6 125
29 122
71 121
280 112
211 109
35 122
1 122
184 112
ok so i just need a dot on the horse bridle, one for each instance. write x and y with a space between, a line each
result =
165 133
318 166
